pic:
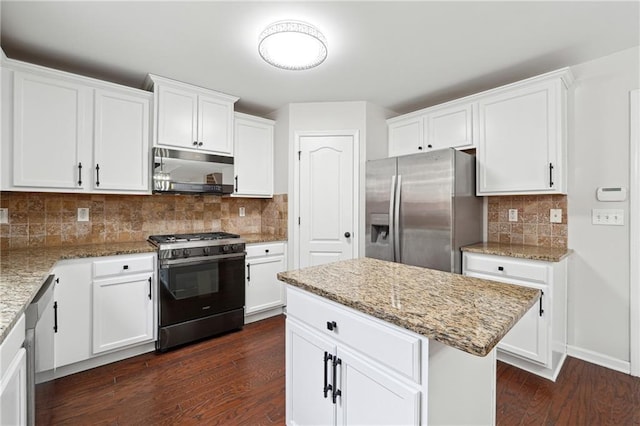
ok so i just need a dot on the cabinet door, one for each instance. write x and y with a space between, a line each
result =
121 142
177 115
263 290
45 335
406 136
122 312
451 127
13 391
370 395
49 133
253 160
529 338
307 372
215 125
73 312
518 146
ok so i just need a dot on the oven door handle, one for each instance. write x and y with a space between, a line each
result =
166 263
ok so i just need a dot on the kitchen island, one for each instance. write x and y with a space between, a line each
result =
370 341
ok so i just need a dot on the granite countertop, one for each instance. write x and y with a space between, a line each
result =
549 254
469 314
23 271
262 238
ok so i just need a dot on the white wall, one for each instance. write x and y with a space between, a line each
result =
598 155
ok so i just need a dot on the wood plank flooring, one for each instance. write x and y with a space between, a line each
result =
238 379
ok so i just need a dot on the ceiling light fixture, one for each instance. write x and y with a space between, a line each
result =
292 45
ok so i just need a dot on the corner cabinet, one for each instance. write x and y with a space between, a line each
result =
192 117
67 133
522 138
537 343
253 156
264 293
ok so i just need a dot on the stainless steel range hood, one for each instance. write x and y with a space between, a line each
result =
187 172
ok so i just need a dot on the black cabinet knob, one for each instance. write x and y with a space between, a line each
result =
266 250
125 267
331 325
429 146
500 268
420 148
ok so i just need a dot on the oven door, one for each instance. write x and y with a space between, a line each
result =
196 288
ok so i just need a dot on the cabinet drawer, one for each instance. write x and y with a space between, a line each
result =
397 350
122 265
506 267
255 250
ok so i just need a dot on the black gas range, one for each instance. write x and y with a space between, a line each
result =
201 279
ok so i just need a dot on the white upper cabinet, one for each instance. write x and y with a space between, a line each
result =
522 138
67 133
406 135
451 126
191 117
50 132
253 159
121 141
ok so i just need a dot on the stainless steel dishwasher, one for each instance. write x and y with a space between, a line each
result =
43 347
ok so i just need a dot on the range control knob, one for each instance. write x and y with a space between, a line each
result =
237 248
176 253
186 253
206 251
226 248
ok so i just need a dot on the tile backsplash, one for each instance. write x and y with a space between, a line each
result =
533 226
50 219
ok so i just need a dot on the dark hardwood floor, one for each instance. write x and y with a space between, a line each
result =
238 379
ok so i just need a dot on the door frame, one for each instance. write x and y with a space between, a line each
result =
634 224
294 202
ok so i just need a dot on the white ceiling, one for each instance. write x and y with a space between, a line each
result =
400 55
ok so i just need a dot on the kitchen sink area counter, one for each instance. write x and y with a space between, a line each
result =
466 313
23 271
521 251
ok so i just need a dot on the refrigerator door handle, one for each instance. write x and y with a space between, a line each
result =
396 220
392 227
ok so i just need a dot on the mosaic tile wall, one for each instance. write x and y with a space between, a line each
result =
50 219
533 226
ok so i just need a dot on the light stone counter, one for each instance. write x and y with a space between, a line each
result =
549 254
23 271
466 313
262 238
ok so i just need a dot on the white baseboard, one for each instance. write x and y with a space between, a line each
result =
599 359
259 316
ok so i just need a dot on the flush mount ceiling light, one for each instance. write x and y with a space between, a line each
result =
292 45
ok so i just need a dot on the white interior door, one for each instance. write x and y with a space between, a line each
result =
326 195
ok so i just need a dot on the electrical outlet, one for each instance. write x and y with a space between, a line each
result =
513 215
555 215
83 215
4 215
241 212
607 217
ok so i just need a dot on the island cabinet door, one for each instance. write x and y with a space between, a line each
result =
369 394
308 374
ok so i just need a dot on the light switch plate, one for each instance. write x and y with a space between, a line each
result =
555 215
607 217
83 215
241 212
513 215
4 215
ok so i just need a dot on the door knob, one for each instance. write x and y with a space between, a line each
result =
347 234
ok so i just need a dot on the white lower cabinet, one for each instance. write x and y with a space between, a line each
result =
537 342
13 377
339 381
263 291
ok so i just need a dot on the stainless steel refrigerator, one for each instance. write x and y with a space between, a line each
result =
421 208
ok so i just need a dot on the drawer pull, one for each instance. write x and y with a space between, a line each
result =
332 326
327 386
125 267
500 268
266 250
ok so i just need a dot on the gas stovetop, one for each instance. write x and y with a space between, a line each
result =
174 246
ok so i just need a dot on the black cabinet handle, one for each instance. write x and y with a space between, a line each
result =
125 266
149 288
55 317
551 175
331 325
336 392
79 174
500 268
541 311
97 174
327 386
236 179
248 272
